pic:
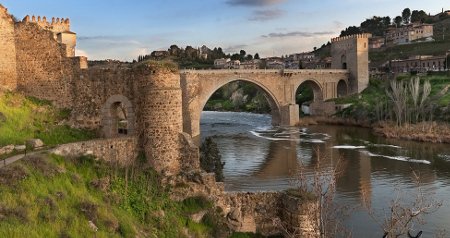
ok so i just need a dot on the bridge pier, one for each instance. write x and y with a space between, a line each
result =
289 115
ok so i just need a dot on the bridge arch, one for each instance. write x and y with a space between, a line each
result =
118 117
315 86
342 88
270 97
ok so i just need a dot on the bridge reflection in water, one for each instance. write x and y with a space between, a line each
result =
259 157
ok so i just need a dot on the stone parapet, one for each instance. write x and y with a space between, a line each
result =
121 150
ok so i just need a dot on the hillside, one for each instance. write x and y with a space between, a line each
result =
23 118
436 48
52 196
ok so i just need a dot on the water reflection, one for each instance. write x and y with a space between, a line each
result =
261 158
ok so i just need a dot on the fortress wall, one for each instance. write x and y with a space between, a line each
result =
43 70
93 88
8 74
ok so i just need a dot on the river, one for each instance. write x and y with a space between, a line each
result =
259 157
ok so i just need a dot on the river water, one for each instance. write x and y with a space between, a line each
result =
259 157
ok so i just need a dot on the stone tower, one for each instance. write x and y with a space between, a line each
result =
352 53
161 118
8 73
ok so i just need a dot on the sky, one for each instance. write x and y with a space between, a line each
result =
119 29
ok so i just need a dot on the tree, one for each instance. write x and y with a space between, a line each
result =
398 21
256 56
242 54
351 30
386 21
406 15
418 16
235 56
210 159
249 57
401 216
174 50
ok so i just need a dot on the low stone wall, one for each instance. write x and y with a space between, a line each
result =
121 149
322 108
254 212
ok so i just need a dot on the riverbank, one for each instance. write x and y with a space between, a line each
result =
435 132
425 132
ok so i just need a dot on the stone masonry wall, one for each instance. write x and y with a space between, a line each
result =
93 88
161 119
8 74
122 149
43 70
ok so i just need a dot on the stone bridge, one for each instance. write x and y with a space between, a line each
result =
279 87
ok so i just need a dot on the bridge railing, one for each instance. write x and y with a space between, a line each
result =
263 71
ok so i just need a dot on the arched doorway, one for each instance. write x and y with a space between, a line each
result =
307 93
342 88
118 117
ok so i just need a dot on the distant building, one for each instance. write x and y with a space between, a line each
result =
418 64
274 63
409 33
251 64
221 63
306 56
233 64
376 42
160 53
292 64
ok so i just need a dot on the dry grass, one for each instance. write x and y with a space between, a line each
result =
425 131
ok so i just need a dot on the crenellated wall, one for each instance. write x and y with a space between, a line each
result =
8 74
43 71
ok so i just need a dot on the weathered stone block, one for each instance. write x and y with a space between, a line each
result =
35 143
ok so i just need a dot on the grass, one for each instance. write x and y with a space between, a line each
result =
364 104
27 118
52 196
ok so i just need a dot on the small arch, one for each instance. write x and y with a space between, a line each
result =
344 61
118 117
342 88
314 86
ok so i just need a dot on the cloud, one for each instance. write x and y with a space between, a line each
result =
253 3
297 33
266 15
234 48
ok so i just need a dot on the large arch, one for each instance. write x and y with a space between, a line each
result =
118 110
274 105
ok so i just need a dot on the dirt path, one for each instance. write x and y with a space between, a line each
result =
10 160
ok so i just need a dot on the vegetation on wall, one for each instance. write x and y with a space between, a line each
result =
210 159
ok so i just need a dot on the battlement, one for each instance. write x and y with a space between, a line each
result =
356 36
57 25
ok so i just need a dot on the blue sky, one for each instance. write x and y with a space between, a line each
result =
118 29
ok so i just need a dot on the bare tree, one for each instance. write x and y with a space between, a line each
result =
402 216
320 184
